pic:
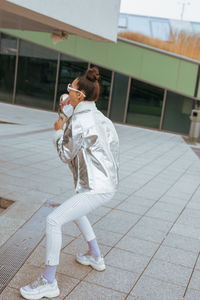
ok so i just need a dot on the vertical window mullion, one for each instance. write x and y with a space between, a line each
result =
127 100
163 108
16 70
56 82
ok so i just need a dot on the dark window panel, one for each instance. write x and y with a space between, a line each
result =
118 100
177 112
145 104
36 76
8 49
105 84
70 68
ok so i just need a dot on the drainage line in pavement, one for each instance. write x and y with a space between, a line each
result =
191 275
15 251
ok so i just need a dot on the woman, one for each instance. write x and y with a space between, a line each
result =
89 145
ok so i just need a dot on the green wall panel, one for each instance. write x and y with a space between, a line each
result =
186 77
144 64
125 58
160 69
198 93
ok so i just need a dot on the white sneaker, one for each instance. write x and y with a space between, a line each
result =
39 289
88 260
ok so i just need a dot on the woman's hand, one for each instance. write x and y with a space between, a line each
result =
60 123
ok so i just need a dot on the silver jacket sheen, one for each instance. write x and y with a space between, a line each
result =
90 146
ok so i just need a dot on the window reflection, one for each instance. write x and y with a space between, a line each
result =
105 83
70 68
196 27
160 29
123 22
118 101
139 24
145 104
8 49
36 76
177 111
179 25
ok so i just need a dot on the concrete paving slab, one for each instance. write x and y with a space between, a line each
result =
129 207
168 207
195 281
11 294
182 242
165 271
117 221
192 295
159 179
80 246
176 256
186 230
68 266
154 289
154 223
127 260
117 279
107 238
135 245
197 267
145 233
162 214
88 291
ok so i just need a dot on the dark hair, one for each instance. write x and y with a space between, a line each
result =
89 84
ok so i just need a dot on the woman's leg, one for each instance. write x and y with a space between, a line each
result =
85 227
89 235
75 207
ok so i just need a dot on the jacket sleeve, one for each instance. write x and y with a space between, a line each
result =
68 142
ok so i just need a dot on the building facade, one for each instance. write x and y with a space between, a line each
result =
140 85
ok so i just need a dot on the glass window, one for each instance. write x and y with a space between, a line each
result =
196 27
8 49
179 25
145 104
118 100
139 24
160 29
177 112
122 22
105 82
36 76
70 68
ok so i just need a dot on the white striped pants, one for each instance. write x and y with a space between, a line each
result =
74 209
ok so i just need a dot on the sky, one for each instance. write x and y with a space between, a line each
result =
171 9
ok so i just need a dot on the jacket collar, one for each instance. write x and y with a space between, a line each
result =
85 105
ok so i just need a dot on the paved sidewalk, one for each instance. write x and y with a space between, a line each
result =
149 233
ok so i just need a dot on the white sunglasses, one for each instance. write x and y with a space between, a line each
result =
75 90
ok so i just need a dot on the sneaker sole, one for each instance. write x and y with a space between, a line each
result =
95 267
56 293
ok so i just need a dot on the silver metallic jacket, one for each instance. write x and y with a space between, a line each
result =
90 146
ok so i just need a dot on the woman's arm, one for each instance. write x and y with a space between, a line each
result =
68 141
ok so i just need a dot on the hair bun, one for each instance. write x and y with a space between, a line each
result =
92 74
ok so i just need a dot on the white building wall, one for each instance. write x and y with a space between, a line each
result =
99 17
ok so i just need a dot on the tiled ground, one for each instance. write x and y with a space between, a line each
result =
149 233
